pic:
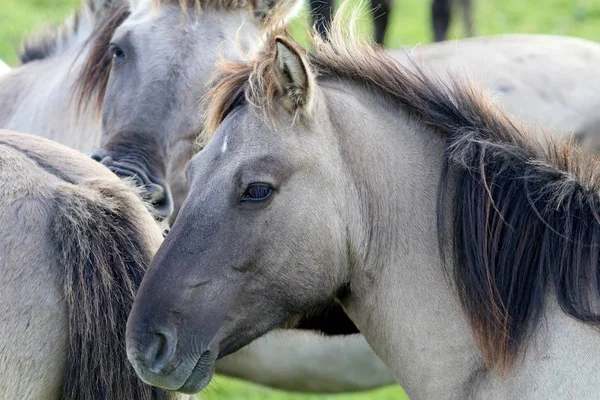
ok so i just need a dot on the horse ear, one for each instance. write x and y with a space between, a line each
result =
295 78
282 9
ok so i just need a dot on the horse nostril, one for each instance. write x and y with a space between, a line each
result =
96 156
160 351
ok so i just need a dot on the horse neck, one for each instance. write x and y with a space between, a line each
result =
401 299
43 91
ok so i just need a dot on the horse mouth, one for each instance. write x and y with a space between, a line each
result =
157 195
201 375
155 192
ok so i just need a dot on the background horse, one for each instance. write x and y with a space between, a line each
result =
463 245
321 12
151 83
76 242
528 76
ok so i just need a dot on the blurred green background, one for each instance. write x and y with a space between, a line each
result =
409 22
409 25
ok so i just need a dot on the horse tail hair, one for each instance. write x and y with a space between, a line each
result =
104 255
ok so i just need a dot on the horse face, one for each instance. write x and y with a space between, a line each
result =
260 239
162 59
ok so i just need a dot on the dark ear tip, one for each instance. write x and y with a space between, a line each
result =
285 42
281 40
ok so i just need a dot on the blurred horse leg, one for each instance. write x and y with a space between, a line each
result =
467 6
320 11
380 10
440 17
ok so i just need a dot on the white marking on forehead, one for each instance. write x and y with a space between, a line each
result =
142 12
224 146
137 6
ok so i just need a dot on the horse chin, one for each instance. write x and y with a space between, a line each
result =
180 376
201 375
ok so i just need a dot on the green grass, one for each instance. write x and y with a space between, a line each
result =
409 25
222 388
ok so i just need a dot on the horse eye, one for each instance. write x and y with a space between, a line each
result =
257 192
116 53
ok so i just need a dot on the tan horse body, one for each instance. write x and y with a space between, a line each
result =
53 301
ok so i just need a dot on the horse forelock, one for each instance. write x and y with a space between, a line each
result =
526 209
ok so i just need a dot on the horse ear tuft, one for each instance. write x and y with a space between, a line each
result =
294 76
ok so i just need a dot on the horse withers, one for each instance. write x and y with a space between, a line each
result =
462 244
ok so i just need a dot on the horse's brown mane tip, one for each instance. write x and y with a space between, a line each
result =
526 210
45 44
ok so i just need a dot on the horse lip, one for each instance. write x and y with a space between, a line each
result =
200 377
162 207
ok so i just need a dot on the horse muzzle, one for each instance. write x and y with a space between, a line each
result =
155 359
155 191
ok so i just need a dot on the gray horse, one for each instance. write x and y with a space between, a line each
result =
463 244
154 94
75 244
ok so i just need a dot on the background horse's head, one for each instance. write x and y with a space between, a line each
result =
147 69
261 238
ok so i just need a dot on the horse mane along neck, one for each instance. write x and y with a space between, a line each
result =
104 255
526 215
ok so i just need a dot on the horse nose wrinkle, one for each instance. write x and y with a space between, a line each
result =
96 156
155 192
